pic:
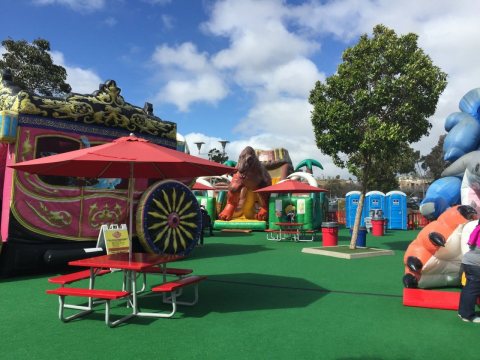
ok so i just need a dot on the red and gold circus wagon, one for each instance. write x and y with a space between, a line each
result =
43 216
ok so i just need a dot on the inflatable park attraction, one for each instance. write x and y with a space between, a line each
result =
236 204
452 202
47 221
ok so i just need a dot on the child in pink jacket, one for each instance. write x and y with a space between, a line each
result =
471 290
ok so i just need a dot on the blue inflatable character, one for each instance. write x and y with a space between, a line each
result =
460 182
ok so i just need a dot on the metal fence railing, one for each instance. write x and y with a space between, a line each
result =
415 220
337 216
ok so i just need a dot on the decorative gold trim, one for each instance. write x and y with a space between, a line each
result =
105 107
50 234
39 187
58 219
118 194
105 215
27 146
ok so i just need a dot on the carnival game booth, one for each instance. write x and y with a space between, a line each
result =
49 220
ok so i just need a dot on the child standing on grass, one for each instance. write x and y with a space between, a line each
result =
471 290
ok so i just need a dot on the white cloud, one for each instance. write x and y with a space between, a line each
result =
260 49
167 21
82 81
289 117
77 5
110 21
182 93
184 56
295 78
190 76
259 38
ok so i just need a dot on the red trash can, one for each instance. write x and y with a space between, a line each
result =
378 227
329 234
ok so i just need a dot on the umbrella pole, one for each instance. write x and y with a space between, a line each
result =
131 183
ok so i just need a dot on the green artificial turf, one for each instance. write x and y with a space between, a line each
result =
262 300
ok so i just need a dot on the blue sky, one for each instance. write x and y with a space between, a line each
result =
240 70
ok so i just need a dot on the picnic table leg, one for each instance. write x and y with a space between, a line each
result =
62 306
130 285
133 280
91 285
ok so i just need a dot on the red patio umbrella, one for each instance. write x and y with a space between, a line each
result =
291 186
127 157
201 187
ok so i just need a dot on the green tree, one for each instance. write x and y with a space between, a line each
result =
217 156
384 176
375 106
33 69
337 187
433 163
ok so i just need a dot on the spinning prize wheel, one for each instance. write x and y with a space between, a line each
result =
168 218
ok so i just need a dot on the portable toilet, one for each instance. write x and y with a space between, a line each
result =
374 200
351 204
396 210
373 207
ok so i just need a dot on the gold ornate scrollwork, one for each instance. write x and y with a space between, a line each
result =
75 110
27 146
57 219
100 216
104 107
109 93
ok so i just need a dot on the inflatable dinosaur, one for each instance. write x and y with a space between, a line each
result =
251 175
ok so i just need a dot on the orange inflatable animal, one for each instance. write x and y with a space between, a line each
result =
433 258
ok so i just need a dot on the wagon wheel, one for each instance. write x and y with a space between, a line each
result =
168 218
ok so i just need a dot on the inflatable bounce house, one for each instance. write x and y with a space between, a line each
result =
433 259
240 207
311 209
47 220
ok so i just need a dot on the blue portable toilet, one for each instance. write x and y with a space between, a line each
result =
396 210
374 200
374 203
351 204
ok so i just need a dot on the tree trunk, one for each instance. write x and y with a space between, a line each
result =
358 220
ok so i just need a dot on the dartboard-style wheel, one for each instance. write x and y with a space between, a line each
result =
168 219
